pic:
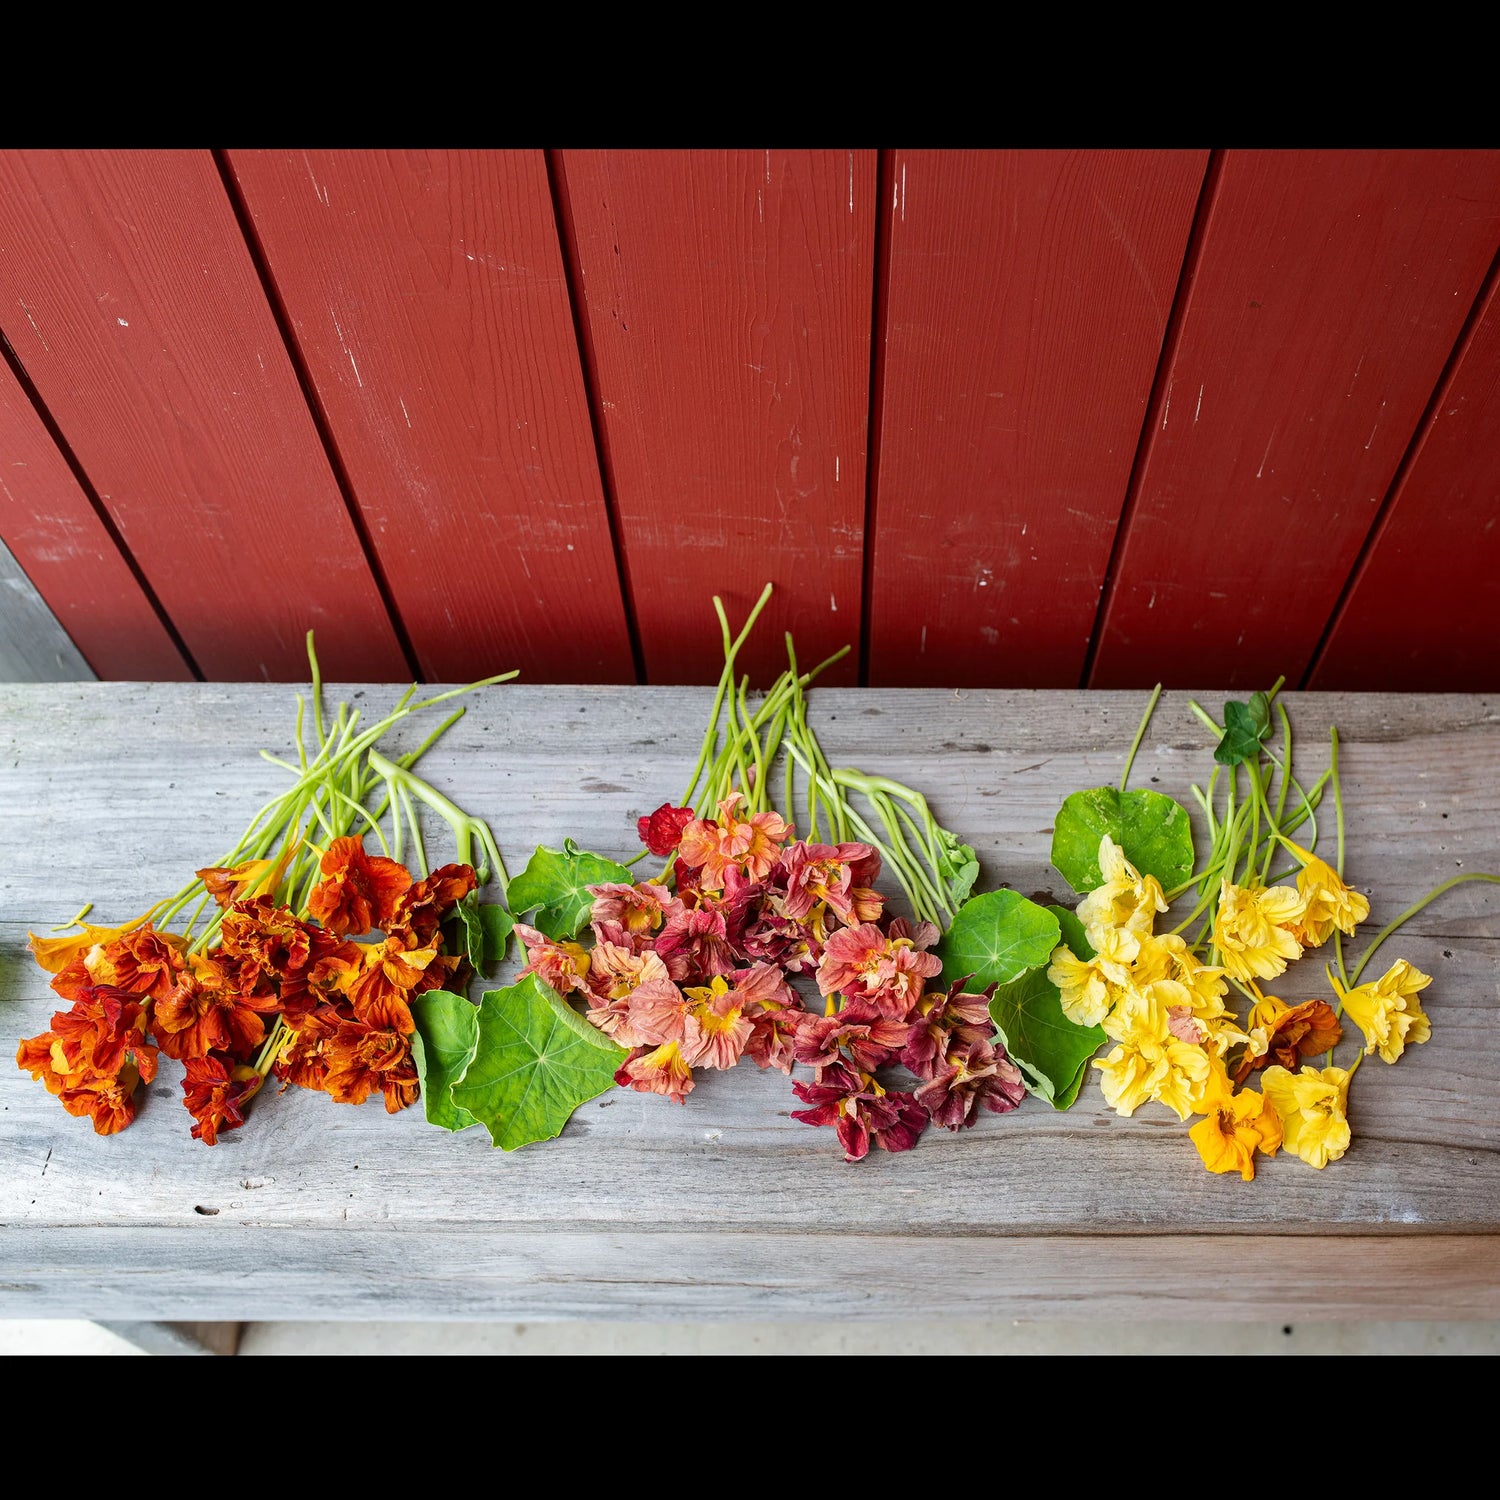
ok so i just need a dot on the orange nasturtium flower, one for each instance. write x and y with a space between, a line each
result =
54 954
751 844
1234 1127
1289 1033
358 891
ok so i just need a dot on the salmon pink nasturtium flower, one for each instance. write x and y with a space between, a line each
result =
888 969
639 909
715 1026
1311 1105
751 844
839 876
657 1070
1387 1010
562 965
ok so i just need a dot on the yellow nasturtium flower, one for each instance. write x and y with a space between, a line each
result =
1311 1105
1126 898
1149 1062
1088 988
1252 930
1388 1011
1327 901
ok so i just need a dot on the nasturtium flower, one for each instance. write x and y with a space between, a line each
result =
362 1057
203 1013
358 891
750 844
639 909
215 1093
1125 899
1311 1105
715 1028
254 877
775 1012
888 969
662 830
1149 1062
304 1059
54 954
1387 1010
1284 1034
107 1099
1234 1127
941 1020
1089 987
1253 930
968 1076
839 876
1170 957
694 945
562 965
658 1070
859 1032
424 905
861 1112
1327 902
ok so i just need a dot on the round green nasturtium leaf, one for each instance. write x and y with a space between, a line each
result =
535 1061
997 936
556 881
443 1046
1153 830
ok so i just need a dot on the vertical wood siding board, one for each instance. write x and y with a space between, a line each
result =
727 295
326 437
1181 300
427 293
1420 608
145 330
589 365
879 312
1029 293
1331 292
61 538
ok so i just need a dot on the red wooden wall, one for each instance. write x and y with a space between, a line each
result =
1030 418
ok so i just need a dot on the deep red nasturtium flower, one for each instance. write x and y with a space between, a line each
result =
358 891
858 1031
662 831
973 1074
940 1021
694 945
861 1114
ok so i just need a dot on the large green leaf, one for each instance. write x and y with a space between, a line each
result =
554 881
536 1061
1049 1049
1153 830
443 1046
997 936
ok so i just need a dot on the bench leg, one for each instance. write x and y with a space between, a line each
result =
178 1338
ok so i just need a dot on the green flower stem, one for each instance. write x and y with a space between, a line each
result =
1208 720
1135 744
419 849
1286 782
1412 910
1338 796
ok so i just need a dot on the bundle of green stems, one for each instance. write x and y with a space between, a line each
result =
739 750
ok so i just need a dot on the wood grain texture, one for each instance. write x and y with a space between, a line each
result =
221 1268
67 556
1026 301
1329 292
130 298
728 1198
1422 609
728 299
427 293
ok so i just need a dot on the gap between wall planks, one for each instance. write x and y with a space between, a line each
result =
52 530
131 300
1329 292
1421 610
727 308
1027 299
427 295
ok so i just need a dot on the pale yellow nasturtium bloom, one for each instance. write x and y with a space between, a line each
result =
1088 988
1388 1011
1234 1126
1126 899
1168 957
1327 902
1312 1107
1149 1062
1252 930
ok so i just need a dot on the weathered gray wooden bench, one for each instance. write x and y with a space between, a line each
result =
727 1208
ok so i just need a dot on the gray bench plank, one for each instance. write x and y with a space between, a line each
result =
115 792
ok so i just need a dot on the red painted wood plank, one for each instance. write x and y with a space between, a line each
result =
427 293
1422 612
131 300
728 298
1329 291
1027 297
55 534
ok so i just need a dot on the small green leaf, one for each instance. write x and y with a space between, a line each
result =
554 881
1246 727
1049 1049
1153 830
535 1062
996 936
442 1047
958 866
472 929
498 925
